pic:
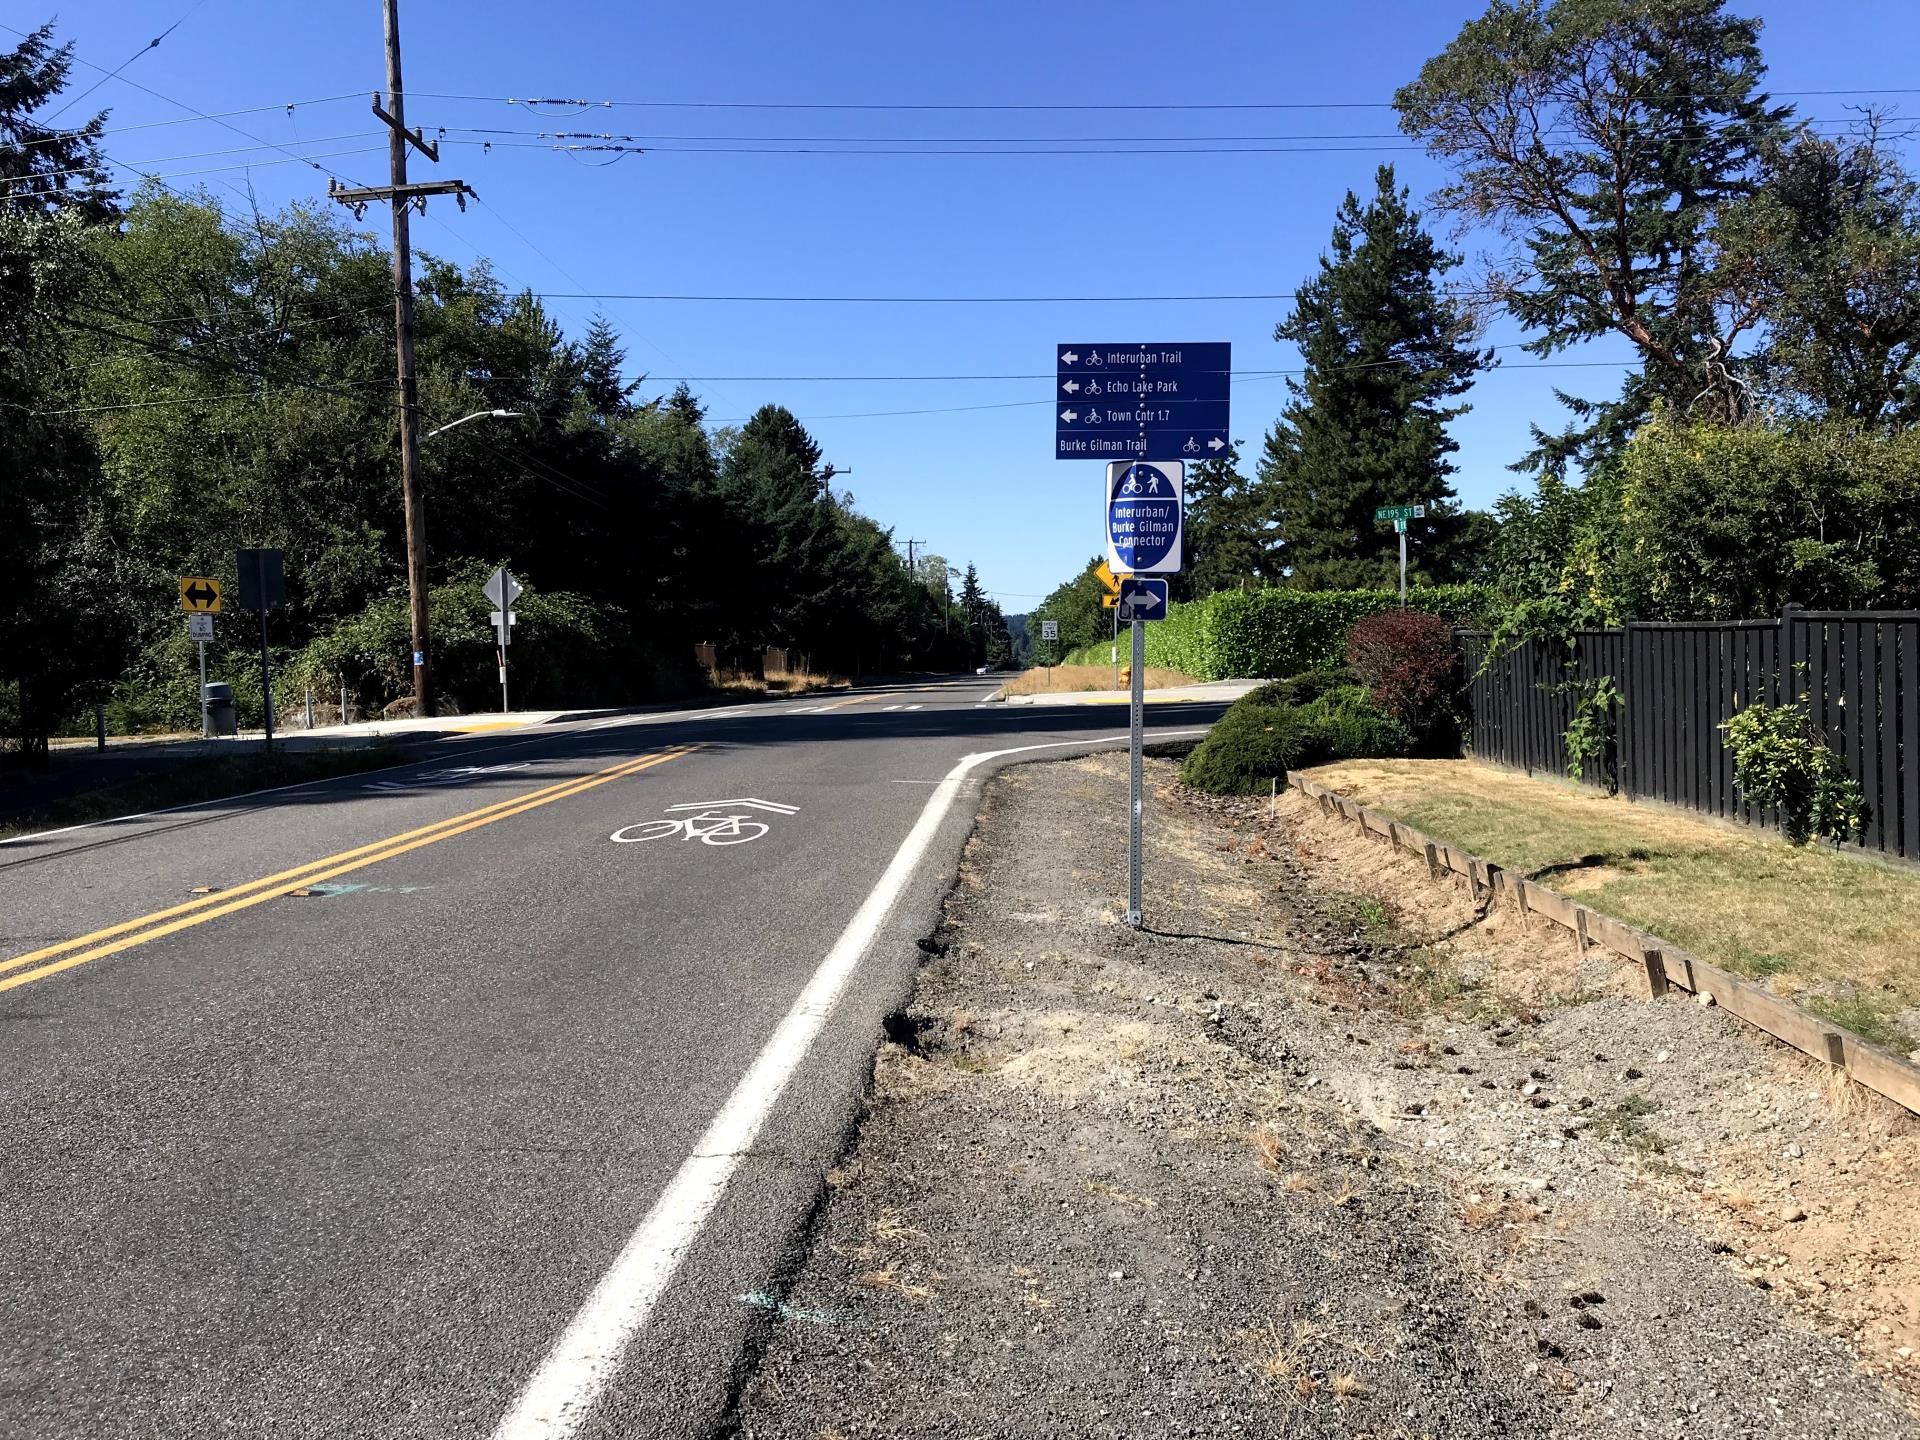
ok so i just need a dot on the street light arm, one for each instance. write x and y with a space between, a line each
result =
476 415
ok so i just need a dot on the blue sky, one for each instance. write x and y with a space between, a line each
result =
974 484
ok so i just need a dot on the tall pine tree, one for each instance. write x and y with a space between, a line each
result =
1228 536
1385 350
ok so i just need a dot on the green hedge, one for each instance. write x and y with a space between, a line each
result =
1239 634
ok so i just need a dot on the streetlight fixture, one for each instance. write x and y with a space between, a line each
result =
417 596
476 415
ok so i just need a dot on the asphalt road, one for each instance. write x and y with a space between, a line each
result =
490 1131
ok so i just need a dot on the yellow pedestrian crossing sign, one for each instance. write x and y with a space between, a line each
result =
199 595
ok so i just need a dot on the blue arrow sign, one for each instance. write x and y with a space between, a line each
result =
1143 599
1141 402
1144 517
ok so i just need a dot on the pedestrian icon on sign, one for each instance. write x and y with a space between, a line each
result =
1153 484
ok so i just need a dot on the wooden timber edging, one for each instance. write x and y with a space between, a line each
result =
1666 966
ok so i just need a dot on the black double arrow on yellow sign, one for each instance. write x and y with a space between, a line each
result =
199 595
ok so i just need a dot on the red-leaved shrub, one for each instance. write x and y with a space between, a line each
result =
1406 659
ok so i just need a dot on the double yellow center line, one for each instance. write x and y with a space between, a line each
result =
53 959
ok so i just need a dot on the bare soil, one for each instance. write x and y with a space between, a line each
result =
1323 1152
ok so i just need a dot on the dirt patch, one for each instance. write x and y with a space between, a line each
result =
1740 1130
1294 1160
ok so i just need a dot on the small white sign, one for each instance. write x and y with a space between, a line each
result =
1049 629
200 627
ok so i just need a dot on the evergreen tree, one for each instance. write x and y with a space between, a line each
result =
1227 530
607 391
772 486
1384 350
43 167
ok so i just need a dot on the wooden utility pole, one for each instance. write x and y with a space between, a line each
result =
403 196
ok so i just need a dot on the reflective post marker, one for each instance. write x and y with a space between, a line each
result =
1136 736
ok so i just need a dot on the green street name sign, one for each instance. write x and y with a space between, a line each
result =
1401 512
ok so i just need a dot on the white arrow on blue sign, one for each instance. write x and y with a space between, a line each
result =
1144 516
1142 599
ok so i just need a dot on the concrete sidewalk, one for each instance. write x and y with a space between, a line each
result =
1228 690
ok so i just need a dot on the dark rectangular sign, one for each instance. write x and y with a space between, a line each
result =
263 582
1137 401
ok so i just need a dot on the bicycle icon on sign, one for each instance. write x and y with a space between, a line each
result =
708 821
1131 485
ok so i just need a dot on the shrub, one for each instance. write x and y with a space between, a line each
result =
1301 689
1256 743
1347 724
1781 762
1407 661
1247 748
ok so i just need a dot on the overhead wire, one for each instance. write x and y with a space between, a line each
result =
153 44
1002 108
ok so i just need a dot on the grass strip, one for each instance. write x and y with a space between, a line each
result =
1830 929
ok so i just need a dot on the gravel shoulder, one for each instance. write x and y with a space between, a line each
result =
1320 1152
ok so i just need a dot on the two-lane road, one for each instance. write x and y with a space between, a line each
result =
418 1104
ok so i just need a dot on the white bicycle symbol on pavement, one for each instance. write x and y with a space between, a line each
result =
709 821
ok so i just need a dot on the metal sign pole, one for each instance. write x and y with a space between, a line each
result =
1136 735
206 726
1402 528
504 707
266 679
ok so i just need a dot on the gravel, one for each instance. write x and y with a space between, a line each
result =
1242 1173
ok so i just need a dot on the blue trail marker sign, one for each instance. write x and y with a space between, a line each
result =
1144 517
1142 599
1137 401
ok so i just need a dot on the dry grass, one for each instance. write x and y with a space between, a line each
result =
895 1231
1268 1147
1063 679
1831 929
1123 1197
786 682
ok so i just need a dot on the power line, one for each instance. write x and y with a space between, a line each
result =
197 114
152 44
287 106
1107 107
907 299
146 166
1304 137
1274 375
202 399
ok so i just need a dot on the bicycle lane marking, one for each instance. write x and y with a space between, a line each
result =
139 931
707 821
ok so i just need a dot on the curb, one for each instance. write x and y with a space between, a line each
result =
1666 966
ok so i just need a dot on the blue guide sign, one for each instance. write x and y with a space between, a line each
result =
1144 517
1167 401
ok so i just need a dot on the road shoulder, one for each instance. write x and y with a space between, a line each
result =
1226 1176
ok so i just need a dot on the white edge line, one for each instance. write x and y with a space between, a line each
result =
563 1390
